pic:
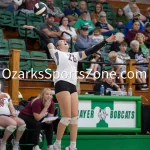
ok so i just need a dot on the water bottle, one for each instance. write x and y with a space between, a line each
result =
130 91
102 90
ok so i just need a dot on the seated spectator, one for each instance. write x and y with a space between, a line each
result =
147 29
132 32
10 121
120 69
136 53
115 46
83 40
108 84
83 20
121 19
72 12
122 53
130 24
131 8
95 15
141 39
55 11
83 7
50 29
33 114
64 26
106 28
97 36
5 3
102 1
13 6
147 15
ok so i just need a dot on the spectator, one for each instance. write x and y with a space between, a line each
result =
120 69
83 7
115 46
95 15
131 8
141 39
72 12
122 53
121 19
106 28
131 33
30 4
10 121
50 29
130 23
136 53
55 11
147 15
64 26
13 6
33 114
83 20
84 41
108 84
147 29
97 36
102 1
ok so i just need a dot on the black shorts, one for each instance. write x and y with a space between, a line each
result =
65 86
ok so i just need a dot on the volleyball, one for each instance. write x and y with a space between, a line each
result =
40 9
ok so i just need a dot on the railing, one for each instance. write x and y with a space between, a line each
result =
14 65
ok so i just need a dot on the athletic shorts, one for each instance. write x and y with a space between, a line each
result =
65 86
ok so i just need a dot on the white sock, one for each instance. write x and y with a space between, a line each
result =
58 142
73 144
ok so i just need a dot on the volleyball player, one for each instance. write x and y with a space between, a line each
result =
65 81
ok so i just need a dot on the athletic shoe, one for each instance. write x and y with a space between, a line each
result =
69 148
36 148
15 145
54 147
2 145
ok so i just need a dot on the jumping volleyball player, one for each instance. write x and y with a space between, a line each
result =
65 87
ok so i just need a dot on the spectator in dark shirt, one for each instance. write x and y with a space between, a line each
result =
72 12
40 107
50 29
108 84
106 28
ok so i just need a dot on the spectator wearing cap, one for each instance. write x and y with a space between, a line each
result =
51 30
72 12
83 40
106 28
83 7
51 9
64 26
83 20
95 15
136 17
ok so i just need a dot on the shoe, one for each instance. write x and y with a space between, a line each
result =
144 89
15 144
2 145
36 148
69 148
54 147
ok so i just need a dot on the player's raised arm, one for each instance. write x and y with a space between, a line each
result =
44 37
97 47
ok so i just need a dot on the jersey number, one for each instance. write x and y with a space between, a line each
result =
72 58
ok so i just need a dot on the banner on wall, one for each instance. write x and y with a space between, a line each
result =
109 114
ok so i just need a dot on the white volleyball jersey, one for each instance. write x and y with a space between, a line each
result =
4 105
67 64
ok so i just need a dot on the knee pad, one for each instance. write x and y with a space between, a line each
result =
74 120
22 127
65 121
11 128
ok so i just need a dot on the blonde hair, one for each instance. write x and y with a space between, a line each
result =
134 42
112 54
41 95
140 34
